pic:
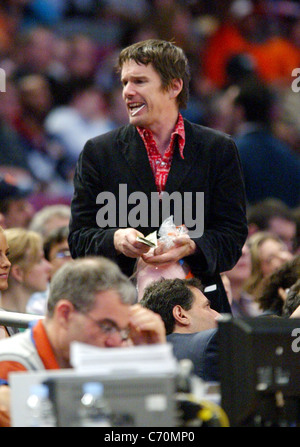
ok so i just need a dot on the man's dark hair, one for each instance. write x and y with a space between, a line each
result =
262 212
168 60
292 301
56 236
283 277
163 295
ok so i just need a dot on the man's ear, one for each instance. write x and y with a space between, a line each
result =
63 311
180 315
175 88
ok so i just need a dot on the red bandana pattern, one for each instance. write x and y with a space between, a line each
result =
161 165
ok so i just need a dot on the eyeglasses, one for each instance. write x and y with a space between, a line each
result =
109 328
63 254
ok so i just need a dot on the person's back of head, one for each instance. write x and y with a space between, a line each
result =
256 100
15 207
274 216
260 214
49 218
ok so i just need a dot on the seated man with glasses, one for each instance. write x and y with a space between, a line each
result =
90 301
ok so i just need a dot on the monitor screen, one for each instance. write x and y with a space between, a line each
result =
260 371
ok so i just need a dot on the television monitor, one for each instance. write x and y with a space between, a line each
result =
260 370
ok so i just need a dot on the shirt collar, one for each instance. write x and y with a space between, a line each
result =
178 130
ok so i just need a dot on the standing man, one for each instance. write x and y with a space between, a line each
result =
124 177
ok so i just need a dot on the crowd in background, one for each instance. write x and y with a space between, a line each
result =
62 88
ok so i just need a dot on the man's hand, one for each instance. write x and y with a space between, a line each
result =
146 327
183 246
125 242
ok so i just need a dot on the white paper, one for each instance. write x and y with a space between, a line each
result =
145 359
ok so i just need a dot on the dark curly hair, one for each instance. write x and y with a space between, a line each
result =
284 277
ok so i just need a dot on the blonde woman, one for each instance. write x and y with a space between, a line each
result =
268 252
4 272
30 271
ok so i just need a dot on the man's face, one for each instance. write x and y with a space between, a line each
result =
202 316
147 103
101 325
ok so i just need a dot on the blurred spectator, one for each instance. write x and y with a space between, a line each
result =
13 151
247 29
50 217
243 304
56 248
276 287
273 216
46 156
292 301
86 117
81 66
29 269
56 251
296 216
268 253
15 206
271 168
4 272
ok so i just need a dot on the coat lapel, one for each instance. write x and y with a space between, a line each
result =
135 154
181 167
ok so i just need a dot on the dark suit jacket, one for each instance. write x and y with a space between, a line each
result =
211 165
202 349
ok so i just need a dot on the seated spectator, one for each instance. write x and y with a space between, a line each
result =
50 217
4 272
246 30
29 269
56 251
268 253
276 286
14 204
56 248
46 156
243 304
274 216
189 321
91 302
296 216
292 302
85 117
